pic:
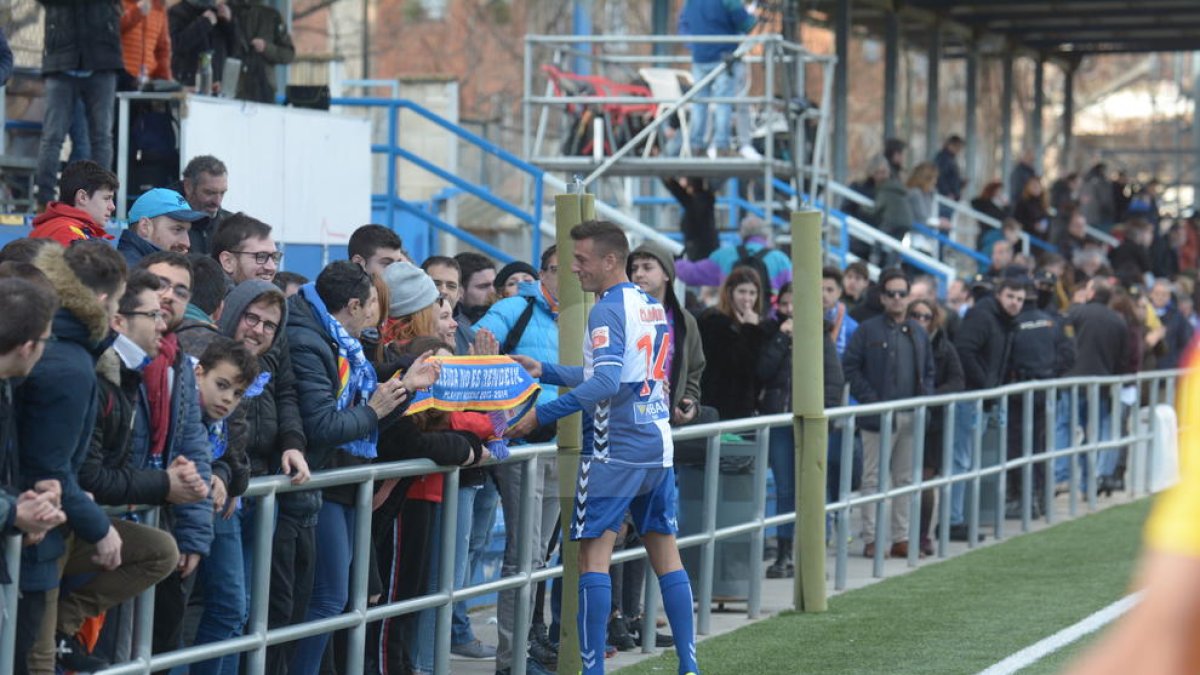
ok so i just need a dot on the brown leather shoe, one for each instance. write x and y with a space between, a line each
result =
869 550
900 550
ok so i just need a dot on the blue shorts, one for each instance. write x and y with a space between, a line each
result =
604 492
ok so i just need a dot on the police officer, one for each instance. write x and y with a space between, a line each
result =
1040 350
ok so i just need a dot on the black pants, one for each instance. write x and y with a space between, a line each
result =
30 610
293 553
170 604
403 547
1015 438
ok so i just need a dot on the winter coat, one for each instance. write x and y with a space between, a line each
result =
698 223
948 373
56 411
134 248
731 352
258 20
950 180
1179 334
191 35
1041 349
921 205
233 466
65 224
314 362
775 372
713 270
984 342
1097 201
81 36
713 17
539 340
868 362
145 40
6 60
1020 175
1033 216
9 476
1101 339
190 523
892 209
109 472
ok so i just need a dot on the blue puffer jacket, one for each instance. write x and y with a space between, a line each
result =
190 523
540 339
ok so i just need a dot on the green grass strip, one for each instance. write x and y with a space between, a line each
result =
958 616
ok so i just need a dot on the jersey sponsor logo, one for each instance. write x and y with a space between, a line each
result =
650 411
600 337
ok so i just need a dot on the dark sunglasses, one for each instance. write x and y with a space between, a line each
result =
921 316
896 294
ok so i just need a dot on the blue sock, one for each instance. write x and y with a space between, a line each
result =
595 602
677 601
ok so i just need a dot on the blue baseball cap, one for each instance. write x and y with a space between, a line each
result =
164 202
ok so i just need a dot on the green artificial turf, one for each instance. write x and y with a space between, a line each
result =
958 616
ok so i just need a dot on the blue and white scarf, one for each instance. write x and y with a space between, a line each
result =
361 381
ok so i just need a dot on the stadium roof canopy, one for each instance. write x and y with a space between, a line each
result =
1056 29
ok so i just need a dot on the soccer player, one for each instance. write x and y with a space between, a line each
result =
627 450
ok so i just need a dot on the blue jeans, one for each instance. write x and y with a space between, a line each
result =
462 634
331 581
225 606
1106 460
424 629
783 467
81 140
727 84
483 520
964 446
99 94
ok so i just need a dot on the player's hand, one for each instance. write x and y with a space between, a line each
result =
524 426
531 366
486 343
295 465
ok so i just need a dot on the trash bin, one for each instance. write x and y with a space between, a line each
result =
732 559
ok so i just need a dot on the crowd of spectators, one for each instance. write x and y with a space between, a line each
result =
168 367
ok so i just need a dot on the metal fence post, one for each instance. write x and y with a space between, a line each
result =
918 474
1049 482
525 548
1093 473
1073 481
445 613
260 573
8 636
845 481
947 470
976 465
143 622
356 639
712 465
882 518
1152 445
1028 411
754 601
1002 461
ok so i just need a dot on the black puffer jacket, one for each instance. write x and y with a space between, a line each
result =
868 362
984 342
731 352
109 471
775 371
81 35
191 35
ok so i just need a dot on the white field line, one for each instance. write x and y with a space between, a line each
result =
1039 650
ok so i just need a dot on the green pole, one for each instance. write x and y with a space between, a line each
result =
569 211
808 405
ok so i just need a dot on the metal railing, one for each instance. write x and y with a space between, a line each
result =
1078 395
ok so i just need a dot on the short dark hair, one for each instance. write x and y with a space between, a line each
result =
24 249
97 265
858 267
13 269
236 229
227 350
340 282
139 282
442 261
832 273
890 274
28 308
955 139
608 235
368 239
1014 283
469 263
209 284
285 279
1102 291
547 255
204 164
172 258
84 175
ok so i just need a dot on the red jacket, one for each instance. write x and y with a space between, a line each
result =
65 224
145 40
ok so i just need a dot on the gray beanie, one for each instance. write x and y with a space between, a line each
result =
411 288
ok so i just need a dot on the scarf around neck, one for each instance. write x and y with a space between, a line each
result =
356 377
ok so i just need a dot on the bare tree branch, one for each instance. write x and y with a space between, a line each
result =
313 9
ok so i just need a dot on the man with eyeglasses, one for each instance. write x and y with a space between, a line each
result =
159 221
889 358
175 429
245 249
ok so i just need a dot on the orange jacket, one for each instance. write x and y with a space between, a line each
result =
65 224
145 40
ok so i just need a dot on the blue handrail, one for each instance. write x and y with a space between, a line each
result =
442 225
393 151
947 241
